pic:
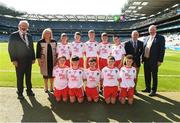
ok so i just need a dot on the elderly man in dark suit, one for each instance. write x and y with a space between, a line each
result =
153 55
21 51
134 47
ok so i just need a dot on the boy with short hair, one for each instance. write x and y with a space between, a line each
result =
63 48
128 75
111 79
75 77
91 48
92 75
60 80
77 48
118 51
104 50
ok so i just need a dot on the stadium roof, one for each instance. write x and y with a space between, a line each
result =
142 9
133 10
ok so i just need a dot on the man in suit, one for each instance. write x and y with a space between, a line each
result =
153 55
134 47
21 51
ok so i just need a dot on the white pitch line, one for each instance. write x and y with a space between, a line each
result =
169 75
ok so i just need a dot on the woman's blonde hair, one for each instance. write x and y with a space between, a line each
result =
44 32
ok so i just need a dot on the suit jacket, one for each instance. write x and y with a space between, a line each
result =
157 50
136 53
18 50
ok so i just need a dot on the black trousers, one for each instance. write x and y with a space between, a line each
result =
24 69
150 71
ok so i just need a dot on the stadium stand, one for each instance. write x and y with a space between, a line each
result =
166 17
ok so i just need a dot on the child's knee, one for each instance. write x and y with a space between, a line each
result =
80 100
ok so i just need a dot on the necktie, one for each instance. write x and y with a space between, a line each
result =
24 36
135 45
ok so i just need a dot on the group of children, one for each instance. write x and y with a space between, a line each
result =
103 70
72 82
91 49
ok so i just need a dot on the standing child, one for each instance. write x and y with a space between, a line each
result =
60 80
111 78
92 75
77 48
75 81
104 50
118 51
128 75
91 48
63 48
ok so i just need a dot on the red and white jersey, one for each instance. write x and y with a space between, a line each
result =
91 48
75 78
118 51
63 50
60 77
127 76
93 77
77 49
110 76
104 50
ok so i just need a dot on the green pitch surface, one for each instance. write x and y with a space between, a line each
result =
169 72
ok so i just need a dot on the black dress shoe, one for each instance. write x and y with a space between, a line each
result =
46 91
20 97
30 93
152 94
146 91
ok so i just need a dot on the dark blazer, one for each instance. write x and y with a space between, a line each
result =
131 51
18 50
157 50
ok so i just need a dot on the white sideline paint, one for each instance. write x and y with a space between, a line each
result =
13 71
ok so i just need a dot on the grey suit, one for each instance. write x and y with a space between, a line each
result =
24 54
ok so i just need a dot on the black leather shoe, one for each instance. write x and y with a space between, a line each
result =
20 97
146 91
152 94
30 93
46 91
